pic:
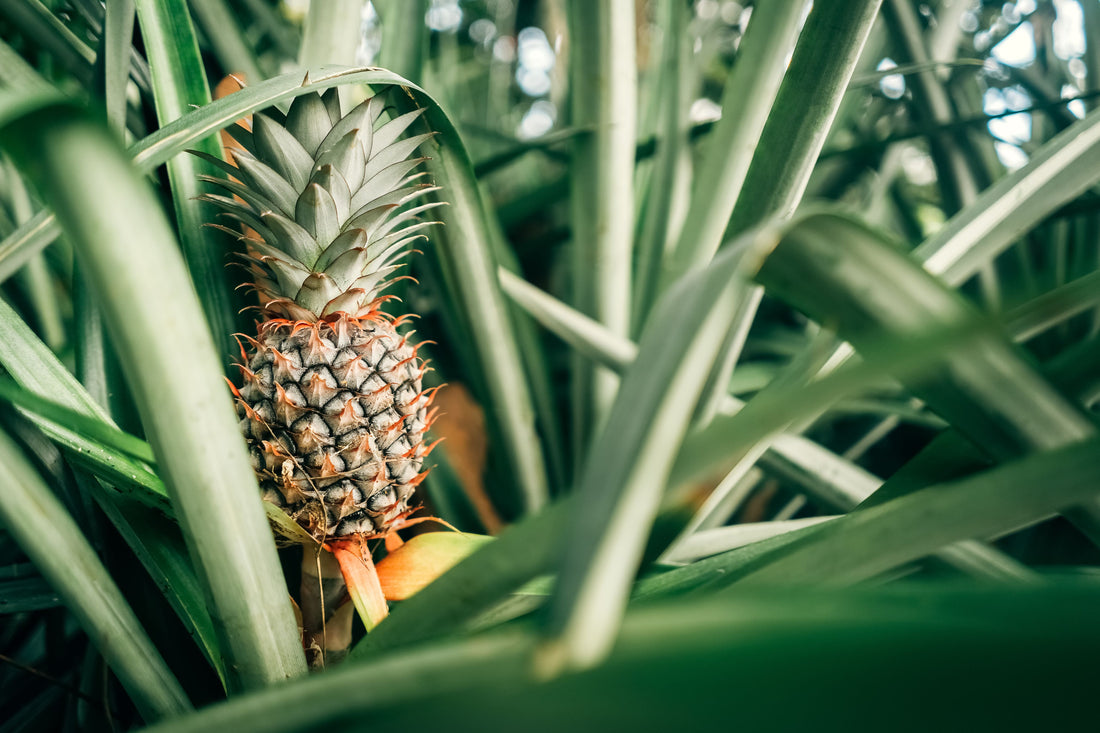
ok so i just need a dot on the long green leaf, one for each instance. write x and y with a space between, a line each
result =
834 481
537 363
873 540
128 250
1063 168
590 338
871 291
94 367
53 541
973 659
603 98
1046 311
179 84
707 542
466 250
762 60
807 102
664 212
225 34
330 33
112 64
623 481
718 571
38 371
24 243
92 429
404 38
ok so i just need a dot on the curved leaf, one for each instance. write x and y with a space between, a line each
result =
128 250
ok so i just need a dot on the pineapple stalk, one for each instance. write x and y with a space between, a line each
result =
326 620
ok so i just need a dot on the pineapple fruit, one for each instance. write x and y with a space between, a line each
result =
331 401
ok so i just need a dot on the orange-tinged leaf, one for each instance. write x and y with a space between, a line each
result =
422 559
361 577
393 541
224 88
461 423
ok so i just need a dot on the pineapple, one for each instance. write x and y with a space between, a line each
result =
331 401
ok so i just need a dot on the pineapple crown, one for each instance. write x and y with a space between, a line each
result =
327 199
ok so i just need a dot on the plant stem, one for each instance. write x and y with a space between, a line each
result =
326 627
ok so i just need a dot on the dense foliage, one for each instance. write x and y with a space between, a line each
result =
769 334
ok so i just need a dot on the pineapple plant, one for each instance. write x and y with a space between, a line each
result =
331 400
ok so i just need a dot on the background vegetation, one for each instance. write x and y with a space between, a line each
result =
771 339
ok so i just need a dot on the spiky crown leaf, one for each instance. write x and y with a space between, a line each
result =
330 198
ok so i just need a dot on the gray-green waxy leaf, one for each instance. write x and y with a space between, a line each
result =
332 181
282 152
347 268
298 243
290 276
348 156
316 291
267 181
316 213
388 133
384 180
360 118
395 153
351 239
371 212
308 121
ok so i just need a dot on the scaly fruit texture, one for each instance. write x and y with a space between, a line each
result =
331 401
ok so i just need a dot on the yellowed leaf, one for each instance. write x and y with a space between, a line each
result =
423 559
